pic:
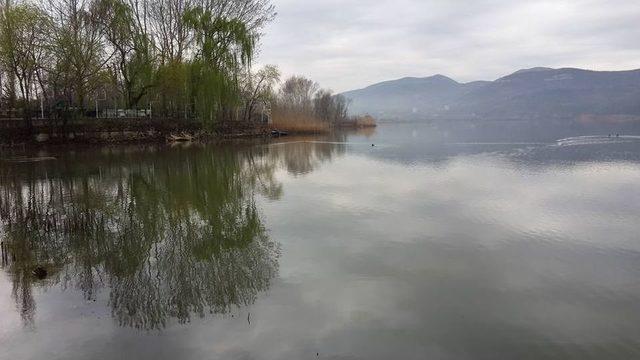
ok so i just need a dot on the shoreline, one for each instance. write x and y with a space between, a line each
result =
146 132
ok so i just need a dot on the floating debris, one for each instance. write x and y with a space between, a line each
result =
184 137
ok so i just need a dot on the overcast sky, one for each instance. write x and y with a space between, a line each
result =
349 44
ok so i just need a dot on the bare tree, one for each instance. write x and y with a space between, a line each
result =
297 93
323 105
329 107
341 107
79 47
258 87
170 34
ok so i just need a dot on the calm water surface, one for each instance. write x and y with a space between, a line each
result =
429 245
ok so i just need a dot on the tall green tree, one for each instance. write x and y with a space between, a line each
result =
222 48
24 31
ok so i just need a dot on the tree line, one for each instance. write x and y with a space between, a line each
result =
300 97
302 106
181 58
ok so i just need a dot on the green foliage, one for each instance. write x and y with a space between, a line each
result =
221 42
23 48
185 60
223 47
207 88
171 88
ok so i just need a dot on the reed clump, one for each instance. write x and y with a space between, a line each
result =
299 123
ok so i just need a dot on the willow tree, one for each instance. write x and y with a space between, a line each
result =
222 47
24 31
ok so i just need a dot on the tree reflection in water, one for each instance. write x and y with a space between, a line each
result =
302 155
171 234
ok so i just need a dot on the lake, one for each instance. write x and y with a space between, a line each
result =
433 244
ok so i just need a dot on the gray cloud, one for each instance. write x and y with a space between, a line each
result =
351 44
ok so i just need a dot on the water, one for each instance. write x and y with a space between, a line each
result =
431 244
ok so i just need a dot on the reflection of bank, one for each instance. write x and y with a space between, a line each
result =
170 236
301 155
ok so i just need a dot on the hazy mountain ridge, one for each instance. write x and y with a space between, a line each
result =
536 93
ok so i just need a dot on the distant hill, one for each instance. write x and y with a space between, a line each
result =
538 93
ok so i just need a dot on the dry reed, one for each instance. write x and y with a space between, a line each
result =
298 123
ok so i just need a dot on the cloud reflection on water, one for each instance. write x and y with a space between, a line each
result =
473 256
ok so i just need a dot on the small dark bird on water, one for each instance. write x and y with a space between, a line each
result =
373 145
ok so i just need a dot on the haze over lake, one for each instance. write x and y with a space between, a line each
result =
437 242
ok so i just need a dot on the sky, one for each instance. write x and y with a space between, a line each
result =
350 44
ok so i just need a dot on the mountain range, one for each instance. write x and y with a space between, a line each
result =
538 93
